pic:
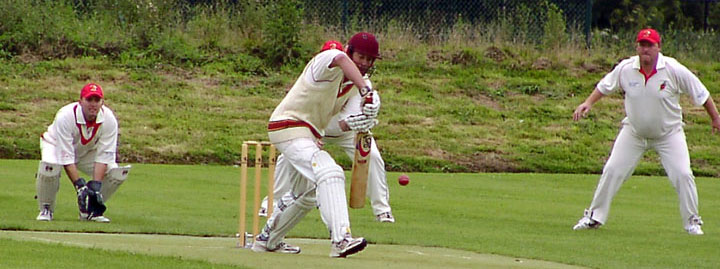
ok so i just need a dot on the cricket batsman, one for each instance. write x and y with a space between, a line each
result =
378 191
83 137
296 127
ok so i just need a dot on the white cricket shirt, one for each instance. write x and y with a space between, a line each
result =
315 97
74 138
652 107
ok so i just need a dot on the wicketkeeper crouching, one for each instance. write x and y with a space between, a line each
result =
83 137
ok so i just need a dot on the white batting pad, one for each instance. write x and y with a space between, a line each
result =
331 198
113 179
47 184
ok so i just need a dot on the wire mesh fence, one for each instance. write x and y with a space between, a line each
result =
433 18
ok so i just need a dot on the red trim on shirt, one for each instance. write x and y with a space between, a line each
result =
93 125
284 124
648 76
344 90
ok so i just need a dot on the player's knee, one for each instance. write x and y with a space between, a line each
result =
49 171
307 202
113 179
686 176
325 169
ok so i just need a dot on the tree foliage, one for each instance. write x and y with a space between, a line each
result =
661 14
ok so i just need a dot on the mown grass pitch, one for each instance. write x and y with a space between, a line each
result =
527 216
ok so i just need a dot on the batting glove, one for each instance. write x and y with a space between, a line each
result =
371 109
359 122
372 124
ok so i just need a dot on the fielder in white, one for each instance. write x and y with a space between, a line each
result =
296 127
377 189
652 84
83 137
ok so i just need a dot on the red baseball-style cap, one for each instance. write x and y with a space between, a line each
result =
649 35
91 89
332 44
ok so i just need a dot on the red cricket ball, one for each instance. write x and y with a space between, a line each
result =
403 180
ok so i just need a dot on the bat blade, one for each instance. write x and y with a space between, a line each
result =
358 180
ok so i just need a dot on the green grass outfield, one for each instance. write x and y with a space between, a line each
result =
496 220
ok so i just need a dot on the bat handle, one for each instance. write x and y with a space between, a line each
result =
367 99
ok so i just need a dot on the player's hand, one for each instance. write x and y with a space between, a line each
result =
372 124
371 109
359 122
581 111
95 203
82 199
715 126
82 195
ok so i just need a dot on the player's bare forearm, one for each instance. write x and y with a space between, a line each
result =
72 172
350 70
713 113
582 110
99 171
344 126
594 97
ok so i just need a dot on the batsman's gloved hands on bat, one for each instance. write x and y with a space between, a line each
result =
371 109
359 122
82 195
372 124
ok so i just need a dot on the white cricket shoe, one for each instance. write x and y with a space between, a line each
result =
260 245
262 212
45 214
101 219
385 217
91 217
694 230
586 222
347 246
693 227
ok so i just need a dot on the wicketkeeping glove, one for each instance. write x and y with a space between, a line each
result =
82 195
95 204
359 122
371 109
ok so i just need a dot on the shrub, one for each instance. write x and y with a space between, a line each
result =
282 29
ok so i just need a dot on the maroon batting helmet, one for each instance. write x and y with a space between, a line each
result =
364 43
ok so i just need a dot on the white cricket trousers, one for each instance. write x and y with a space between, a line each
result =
627 151
377 189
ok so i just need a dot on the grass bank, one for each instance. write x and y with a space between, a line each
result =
445 108
190 83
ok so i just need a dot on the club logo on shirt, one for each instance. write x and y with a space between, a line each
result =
662 86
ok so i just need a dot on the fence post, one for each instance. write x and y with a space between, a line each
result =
345 16
588 21
705 17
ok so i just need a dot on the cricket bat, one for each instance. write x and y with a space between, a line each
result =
358 180
359 177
